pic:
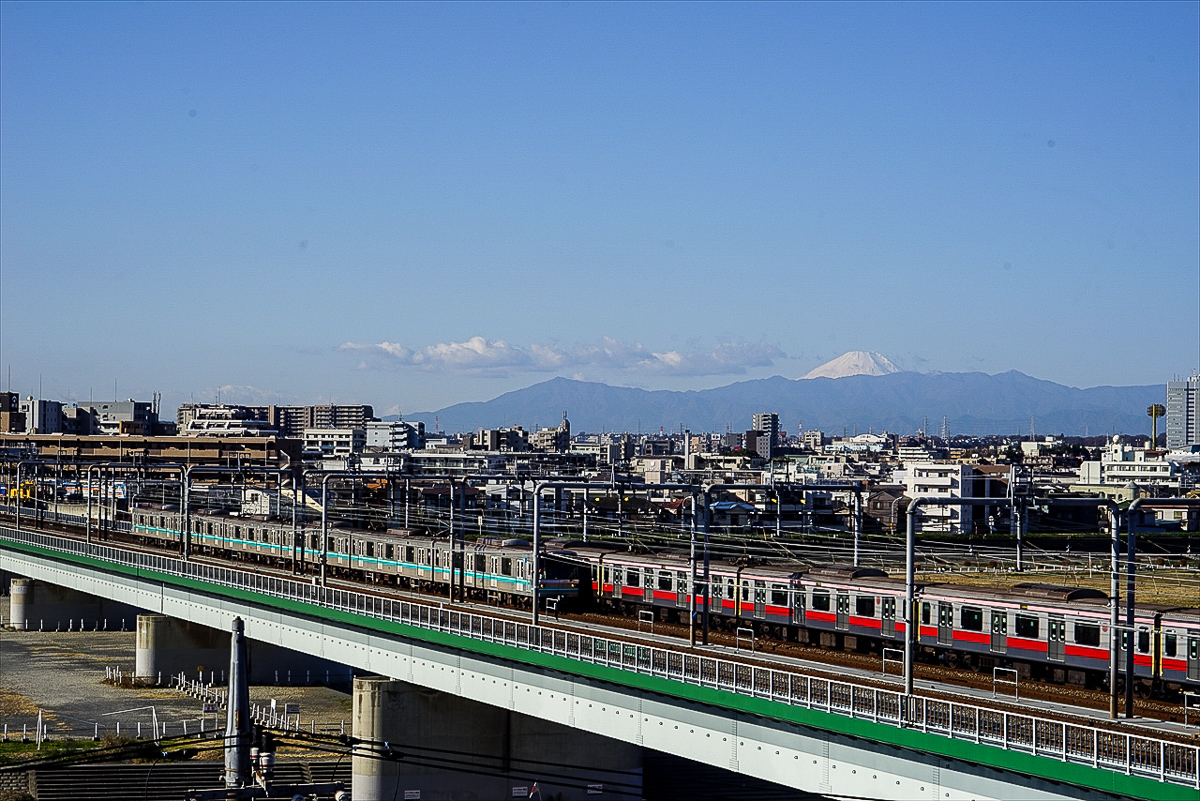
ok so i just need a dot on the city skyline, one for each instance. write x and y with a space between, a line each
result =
418 205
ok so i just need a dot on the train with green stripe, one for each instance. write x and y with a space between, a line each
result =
487 569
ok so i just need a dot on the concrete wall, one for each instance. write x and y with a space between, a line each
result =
455 748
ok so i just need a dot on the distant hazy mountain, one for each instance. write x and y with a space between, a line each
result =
973 403
856 362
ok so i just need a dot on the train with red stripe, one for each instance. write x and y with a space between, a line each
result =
1044 631
1060 634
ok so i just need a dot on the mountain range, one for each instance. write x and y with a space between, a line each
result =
901 402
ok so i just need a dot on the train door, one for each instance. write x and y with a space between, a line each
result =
760 599
843 611
1056 638
887 615
945 623
1156 650
1193 657
999 631
681 588
798 606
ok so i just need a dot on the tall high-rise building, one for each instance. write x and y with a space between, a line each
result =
1183 413
766 422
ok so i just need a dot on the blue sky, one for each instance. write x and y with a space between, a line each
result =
412 205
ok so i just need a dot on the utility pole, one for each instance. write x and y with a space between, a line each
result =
237 725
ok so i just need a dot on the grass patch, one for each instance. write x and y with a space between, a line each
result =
17 751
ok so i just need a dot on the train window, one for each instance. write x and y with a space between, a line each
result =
971 618
1170 645
370 549
821 601
1027 627
664 580
745 591
314 542
237 532
330 544
778 595
926 612
505 566
1124 640
716 589
410 554
1143 641
864 606
389 552
480 563
633 577
1193 649
1087 634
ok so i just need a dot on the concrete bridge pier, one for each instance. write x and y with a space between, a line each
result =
168 646
38 606
448 747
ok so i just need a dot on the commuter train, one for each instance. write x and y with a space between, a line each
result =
1061 634
498 570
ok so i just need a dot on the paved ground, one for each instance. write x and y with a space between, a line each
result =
62 674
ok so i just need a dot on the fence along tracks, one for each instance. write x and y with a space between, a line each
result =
1080 744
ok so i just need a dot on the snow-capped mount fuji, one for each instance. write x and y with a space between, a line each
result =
855 362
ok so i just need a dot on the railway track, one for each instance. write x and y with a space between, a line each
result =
819 661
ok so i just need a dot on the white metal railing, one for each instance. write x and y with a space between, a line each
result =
1137 755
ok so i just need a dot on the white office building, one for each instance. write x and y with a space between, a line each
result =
940 480
333 442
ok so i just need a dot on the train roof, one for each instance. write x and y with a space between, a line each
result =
844 572
1019 593
1057 592
1185 616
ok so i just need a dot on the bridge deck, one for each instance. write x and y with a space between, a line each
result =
1077 754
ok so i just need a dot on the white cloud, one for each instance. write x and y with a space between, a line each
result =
478 354
241 393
